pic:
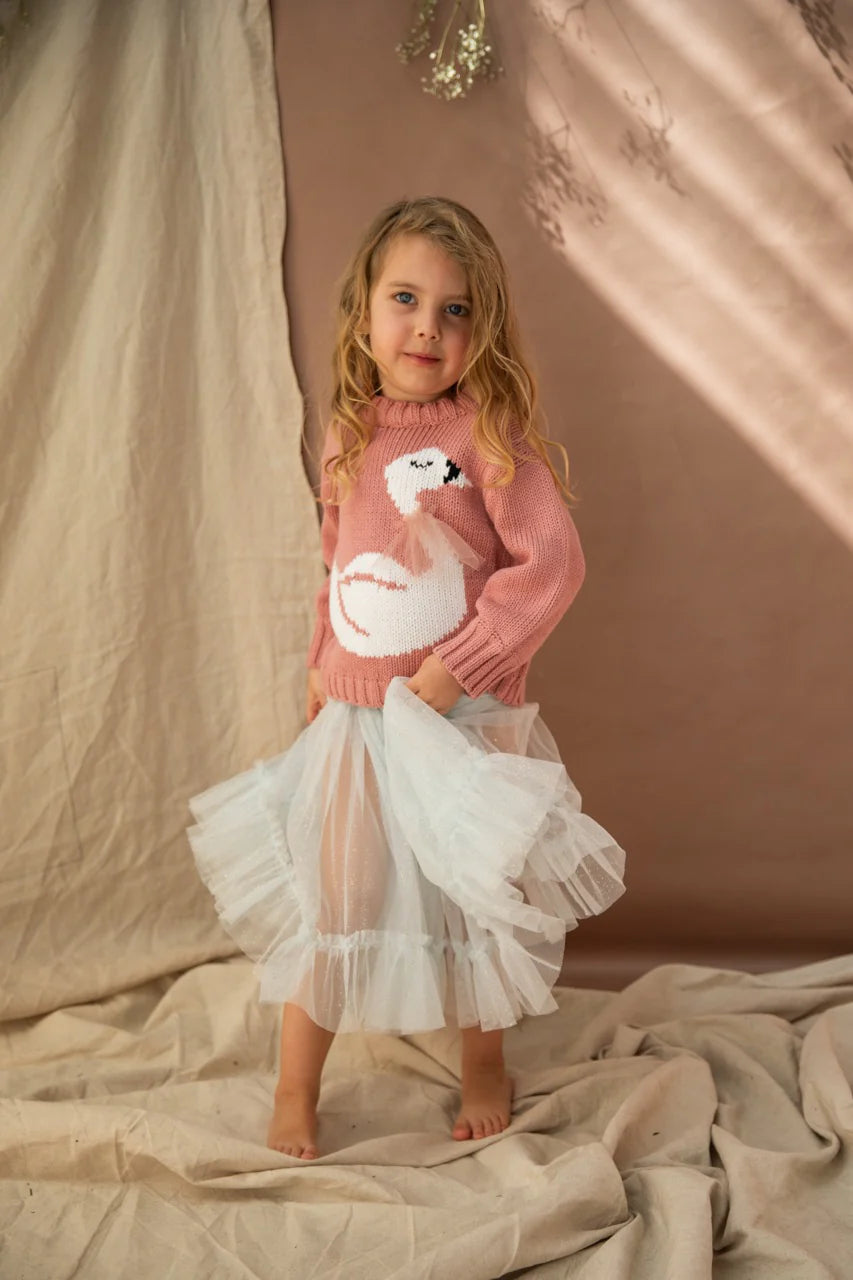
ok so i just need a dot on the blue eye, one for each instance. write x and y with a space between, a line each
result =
404 295
460 309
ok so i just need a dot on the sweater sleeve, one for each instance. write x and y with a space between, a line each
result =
328 541
522 602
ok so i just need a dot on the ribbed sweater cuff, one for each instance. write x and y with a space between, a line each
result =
476 660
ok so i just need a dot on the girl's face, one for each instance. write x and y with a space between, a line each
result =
419 321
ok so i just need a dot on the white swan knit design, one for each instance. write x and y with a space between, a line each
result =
379 608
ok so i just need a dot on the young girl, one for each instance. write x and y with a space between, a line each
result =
417 856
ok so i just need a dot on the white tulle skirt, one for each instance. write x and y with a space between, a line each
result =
400 870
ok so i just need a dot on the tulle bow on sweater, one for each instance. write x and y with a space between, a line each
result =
422 540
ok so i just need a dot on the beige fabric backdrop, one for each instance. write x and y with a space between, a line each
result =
159 537
697 1124
670 185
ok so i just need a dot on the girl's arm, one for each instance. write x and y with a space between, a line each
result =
328 541
522 602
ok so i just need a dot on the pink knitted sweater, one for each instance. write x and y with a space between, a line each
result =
402 586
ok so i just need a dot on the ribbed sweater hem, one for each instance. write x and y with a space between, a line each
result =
364 691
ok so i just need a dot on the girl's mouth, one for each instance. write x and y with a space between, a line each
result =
422 359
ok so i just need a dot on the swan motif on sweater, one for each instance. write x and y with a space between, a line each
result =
377 606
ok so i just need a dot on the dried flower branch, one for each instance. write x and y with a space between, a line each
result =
457 64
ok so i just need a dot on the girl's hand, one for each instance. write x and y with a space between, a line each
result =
316 699
434 684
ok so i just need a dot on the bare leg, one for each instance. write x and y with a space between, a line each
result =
304 1045
486 1088
352 883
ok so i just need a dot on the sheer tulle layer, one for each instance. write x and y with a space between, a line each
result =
402 890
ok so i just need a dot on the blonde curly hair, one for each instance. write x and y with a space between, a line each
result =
496 374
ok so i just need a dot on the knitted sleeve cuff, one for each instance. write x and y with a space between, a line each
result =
475 657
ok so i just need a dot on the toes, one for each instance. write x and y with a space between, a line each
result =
292 1149
487 1127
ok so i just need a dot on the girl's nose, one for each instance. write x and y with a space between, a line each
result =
427 327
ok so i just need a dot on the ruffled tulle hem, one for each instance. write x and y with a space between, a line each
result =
409 888
375 980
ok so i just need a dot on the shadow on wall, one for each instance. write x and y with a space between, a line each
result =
675 248
745 199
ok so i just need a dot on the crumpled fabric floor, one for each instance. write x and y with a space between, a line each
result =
697 1123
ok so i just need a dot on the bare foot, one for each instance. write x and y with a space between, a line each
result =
293 1128
486 1101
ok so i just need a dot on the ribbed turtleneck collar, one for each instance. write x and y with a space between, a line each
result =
413 413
